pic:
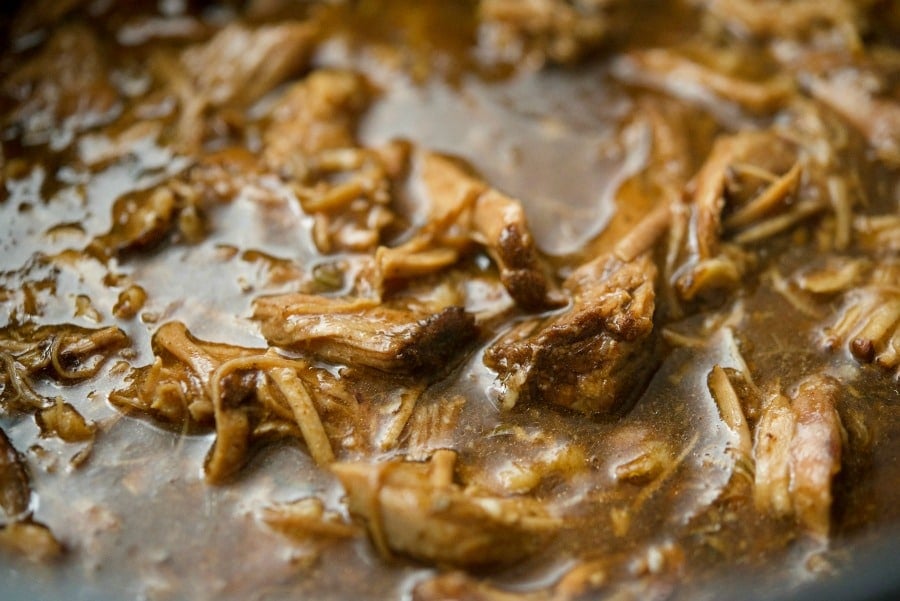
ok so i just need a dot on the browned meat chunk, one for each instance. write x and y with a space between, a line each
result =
416 509
364 333
815 452
597 354
140 220
464 207
500 222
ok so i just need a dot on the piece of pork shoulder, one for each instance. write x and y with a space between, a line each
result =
365 333
815 452
798 453
464 208
417 510
596 355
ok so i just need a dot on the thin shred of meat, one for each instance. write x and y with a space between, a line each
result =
815 452
66 353
772 453
500 224
754 185
307 519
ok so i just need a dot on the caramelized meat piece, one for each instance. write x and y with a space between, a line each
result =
464 207
140 220
815 452
500 223
416 509
597 354
363 333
